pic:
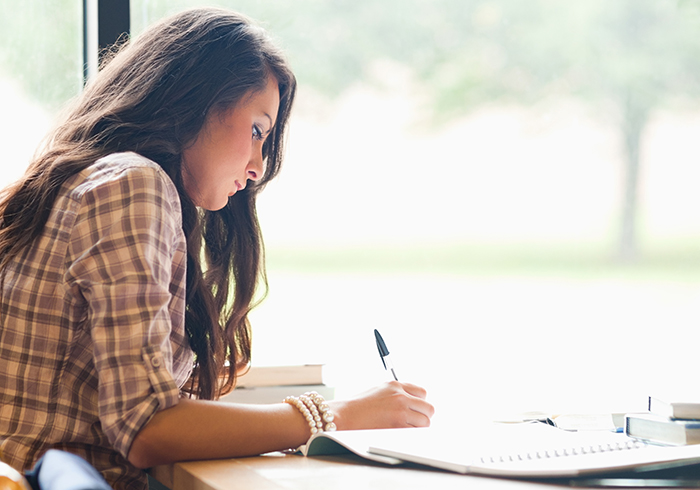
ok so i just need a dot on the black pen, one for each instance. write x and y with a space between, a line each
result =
384 353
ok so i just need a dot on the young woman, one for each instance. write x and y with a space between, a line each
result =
129 258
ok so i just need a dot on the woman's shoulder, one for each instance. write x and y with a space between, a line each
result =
121 181
126 165
124 172
127 159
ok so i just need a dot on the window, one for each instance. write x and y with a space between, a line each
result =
40 69
507 190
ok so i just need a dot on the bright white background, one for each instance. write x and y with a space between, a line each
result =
487 344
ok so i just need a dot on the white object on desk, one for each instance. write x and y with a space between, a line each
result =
527 450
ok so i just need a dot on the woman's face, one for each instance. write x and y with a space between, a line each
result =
228 150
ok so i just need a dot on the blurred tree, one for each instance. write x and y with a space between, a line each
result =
41 48
630 57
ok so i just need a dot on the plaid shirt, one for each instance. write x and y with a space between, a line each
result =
92 338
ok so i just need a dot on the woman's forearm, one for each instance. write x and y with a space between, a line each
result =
198 429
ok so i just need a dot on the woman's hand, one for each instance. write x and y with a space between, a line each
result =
391 405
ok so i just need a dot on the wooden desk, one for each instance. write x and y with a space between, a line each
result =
291 472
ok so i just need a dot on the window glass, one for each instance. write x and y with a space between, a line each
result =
40 69
506 189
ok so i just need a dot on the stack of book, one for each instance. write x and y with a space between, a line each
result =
668 423
271 384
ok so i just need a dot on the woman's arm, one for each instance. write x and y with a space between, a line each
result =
198 429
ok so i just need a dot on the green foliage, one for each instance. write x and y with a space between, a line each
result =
41 48
470 52
676 261
629 57
464 52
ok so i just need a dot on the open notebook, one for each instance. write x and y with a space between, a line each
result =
520 451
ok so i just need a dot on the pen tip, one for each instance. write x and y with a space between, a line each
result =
383 350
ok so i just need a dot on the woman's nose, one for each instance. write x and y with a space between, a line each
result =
256 167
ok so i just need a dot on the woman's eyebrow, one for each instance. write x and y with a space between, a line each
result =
271 123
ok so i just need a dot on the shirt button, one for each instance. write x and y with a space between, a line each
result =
155 361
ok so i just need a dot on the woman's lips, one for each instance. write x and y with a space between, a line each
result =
239 187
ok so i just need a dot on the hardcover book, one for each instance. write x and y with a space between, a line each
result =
658 429
675 410
302 374
275 394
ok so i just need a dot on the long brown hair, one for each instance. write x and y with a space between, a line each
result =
153 98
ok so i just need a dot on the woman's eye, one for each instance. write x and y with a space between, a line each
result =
257 133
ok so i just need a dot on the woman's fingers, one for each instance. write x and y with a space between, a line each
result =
417 419
424 408
392 404
413 409
414 390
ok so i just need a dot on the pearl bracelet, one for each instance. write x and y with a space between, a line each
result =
315 410
305 412
324 410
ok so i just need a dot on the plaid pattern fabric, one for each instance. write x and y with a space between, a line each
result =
92 338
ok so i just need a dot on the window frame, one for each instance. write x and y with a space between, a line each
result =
105 22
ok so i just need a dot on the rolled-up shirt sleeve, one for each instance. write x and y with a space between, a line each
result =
122 249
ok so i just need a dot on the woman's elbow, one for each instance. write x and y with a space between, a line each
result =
142 453
157 441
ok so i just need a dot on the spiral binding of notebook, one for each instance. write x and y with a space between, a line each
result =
563 452
524 450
